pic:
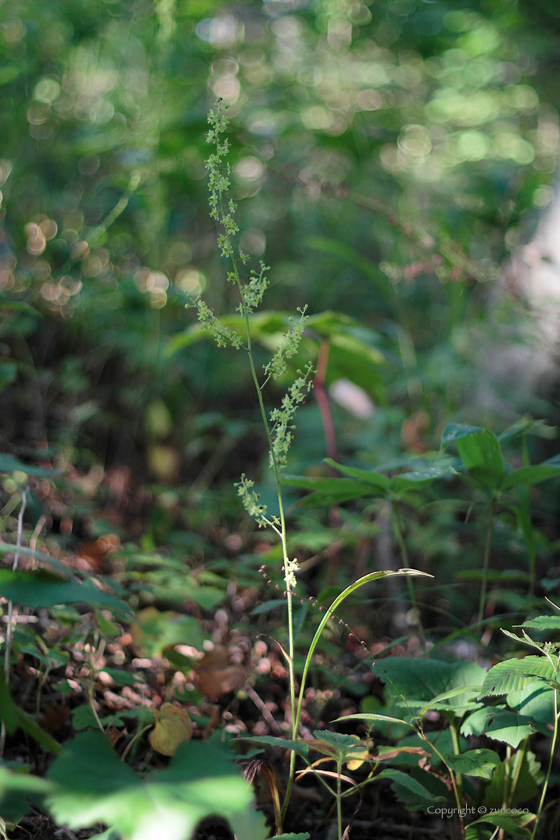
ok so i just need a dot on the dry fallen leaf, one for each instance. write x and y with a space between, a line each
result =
216 676
173 726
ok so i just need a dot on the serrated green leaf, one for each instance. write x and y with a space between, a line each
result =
542 622
409 783
463 691
479 762
535 701
514 674
425 679
500 724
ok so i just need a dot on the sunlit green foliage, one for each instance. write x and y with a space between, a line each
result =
385 159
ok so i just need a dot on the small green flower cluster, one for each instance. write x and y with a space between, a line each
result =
289 347
223 335
219 182
250 501
281 418
253 291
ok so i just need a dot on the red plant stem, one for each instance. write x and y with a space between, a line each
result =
323 402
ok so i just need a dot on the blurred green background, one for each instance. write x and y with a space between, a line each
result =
387 159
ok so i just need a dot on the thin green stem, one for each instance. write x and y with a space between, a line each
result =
519 759
549 769
457 791
410 584
339 799
457 751
485 564
282 532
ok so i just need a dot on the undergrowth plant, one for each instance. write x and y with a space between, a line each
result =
278 424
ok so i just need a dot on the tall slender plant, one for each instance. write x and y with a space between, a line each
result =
279 423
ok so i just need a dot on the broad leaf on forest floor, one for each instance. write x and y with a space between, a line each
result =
91 784
426 679
42 589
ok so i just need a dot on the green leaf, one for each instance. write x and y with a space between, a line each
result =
482 456
299 747
456 431
425 679
369 476
14 717
372 716
153 631
479 762
6 548
352 358
480 452
41 589
542 622
83 718
535 701
525 769
16 791
292 836
399 483
110 834
91 784
527 476
345 746
514 674
123 677
505 821
408 783
463 691
329 491
500 724
419 478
